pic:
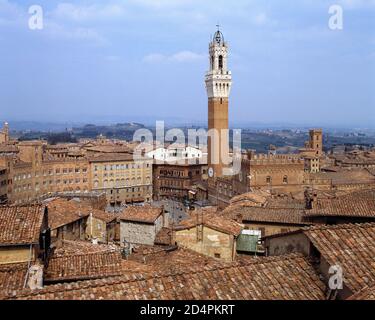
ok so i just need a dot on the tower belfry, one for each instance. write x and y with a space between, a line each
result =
218 85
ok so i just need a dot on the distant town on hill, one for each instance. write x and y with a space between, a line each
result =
260 139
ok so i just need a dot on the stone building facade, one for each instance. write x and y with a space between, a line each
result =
140 225
175 181
284 173
209 234
123 178
3 185
35 170
34 180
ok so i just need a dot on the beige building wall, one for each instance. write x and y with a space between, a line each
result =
214 243
14 254
288 244
100 230
31 181
123 181
270 229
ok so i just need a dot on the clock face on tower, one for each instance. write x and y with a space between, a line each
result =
211 172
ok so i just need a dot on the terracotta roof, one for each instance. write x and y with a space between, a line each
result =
81 261
350 176
62 212
256 198
366 293
142 214
271 215
351 246
213 221
109 157
104 216
12 277
20 224
282 278
164 237
110 149
356 204
6 148
285 203
173 259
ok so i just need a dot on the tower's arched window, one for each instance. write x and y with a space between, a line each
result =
220 62
212 62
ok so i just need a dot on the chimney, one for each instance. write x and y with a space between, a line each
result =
310 199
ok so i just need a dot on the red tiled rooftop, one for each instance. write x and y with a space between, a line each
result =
62 212
104 216
367 293
12 277
213 221
142 214
352 246
83 260
20 224
282 278
164 237
246 213
356 204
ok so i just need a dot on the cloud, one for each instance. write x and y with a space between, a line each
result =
182 56
357 4
10 12
155 57
55 30
77 13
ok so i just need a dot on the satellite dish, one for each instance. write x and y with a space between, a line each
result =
210 172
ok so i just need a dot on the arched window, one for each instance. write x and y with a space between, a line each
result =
285 179
212 62
269 179
220 62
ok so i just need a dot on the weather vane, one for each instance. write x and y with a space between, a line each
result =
218 35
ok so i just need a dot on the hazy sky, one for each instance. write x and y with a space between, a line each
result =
126 59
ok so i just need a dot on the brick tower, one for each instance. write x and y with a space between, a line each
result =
218 85
316 141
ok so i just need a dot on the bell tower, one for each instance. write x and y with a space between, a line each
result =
4 134
218 85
